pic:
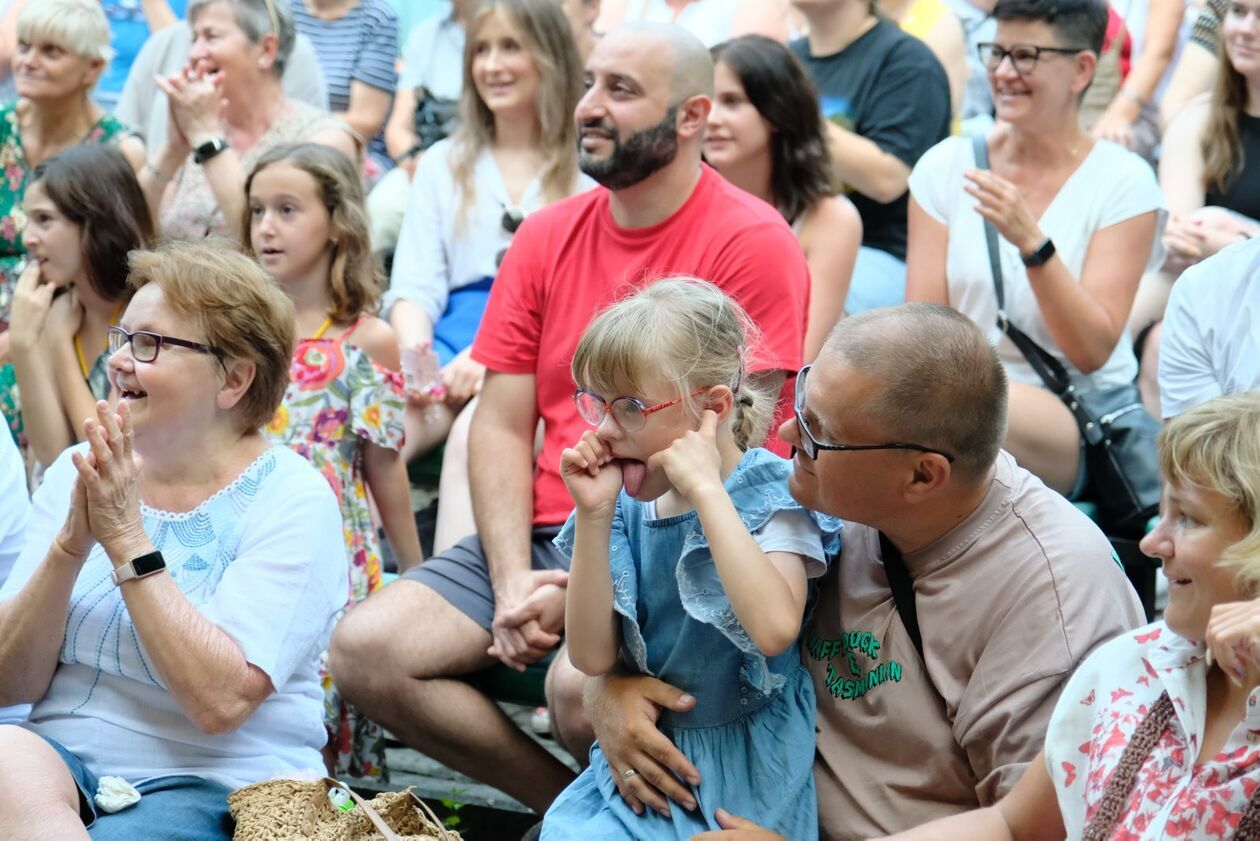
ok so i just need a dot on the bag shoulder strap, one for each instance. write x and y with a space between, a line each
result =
902 591
1051 370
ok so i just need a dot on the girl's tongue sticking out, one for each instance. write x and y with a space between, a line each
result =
632 473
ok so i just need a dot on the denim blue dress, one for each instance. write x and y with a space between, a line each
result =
751 734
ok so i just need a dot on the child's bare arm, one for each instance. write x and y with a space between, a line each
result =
386 476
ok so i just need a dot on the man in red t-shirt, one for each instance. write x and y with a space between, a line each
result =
500 594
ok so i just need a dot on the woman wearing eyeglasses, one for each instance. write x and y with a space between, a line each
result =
179 578
1077 222
514 152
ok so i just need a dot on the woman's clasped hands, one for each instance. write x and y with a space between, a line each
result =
105 506
196 99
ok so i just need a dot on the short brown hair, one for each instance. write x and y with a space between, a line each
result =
240 311
941 383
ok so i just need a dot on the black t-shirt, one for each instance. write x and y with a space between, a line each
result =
1243 195
888 87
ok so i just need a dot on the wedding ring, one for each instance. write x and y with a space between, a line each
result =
628 773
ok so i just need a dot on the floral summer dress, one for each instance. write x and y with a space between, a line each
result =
338 401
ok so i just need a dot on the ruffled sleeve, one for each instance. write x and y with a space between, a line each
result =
378 403
758 488
625 579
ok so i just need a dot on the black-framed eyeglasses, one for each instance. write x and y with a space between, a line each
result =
812 446
145 346
510 220
1024 57
630 413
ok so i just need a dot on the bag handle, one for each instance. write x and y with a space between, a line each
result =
368 812
1049 369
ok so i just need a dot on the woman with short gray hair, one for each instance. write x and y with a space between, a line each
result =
227 108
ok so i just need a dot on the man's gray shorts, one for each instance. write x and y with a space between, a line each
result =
460 575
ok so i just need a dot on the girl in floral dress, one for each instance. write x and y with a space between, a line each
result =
305 223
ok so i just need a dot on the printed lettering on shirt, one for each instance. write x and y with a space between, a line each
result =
845 657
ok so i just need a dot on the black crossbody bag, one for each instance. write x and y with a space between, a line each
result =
1119 434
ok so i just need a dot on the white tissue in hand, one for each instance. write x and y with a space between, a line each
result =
113 794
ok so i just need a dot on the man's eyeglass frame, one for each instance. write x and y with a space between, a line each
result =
811 446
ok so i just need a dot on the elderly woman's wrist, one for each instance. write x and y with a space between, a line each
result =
127 545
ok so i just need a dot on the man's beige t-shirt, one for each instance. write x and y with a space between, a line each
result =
1009 602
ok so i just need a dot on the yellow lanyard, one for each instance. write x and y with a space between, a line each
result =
323 328
78 344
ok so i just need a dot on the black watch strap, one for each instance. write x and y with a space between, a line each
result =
1039 257
207 150
139 567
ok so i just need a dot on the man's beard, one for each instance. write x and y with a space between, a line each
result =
641 155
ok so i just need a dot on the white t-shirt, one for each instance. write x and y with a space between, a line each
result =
1211 339
434 56
15 504
1110 186
437 254
263 559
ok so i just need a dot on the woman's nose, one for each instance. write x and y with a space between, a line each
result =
1158 541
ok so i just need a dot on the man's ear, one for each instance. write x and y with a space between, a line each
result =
240 376
931 472
693 117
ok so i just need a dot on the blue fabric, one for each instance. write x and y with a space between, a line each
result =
457 327
751 735
879 280
128 30
186 808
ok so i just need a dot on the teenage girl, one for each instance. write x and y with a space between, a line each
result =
691 563
766 136
84 213
305 223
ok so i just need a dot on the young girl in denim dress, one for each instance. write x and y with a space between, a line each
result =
691 563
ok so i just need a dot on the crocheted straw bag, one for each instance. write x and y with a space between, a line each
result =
292 810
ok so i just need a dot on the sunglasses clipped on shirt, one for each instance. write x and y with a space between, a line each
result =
510 220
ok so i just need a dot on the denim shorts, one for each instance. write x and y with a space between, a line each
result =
176 808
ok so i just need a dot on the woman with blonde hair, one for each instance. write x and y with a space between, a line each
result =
62 50
514 152
1154 736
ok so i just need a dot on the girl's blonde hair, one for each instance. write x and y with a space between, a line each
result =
354 279
686 330
79 26
549 39
1217 446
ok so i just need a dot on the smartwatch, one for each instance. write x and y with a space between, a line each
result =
1039 257
140 567
207 150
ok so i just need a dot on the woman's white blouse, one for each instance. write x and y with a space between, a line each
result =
438 252
1176 795
1110 186
264 560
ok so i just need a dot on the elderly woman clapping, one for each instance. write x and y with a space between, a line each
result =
227 108
179 579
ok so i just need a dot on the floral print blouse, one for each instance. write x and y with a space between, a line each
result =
1174 795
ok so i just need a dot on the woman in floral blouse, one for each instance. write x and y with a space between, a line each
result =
343 411
1157 735
63 47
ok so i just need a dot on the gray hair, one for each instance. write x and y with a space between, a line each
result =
258 19
941 383
79 26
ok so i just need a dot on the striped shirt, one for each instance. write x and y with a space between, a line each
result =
359 46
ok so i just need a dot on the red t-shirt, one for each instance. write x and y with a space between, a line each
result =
570 260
